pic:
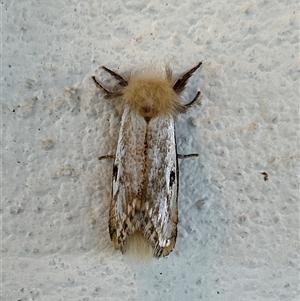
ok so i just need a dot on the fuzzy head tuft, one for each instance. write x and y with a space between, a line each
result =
151 94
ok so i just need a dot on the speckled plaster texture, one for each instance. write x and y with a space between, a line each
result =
238 201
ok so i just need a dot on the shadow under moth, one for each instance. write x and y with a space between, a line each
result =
143 213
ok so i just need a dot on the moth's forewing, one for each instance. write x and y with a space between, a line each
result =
127 176
162 186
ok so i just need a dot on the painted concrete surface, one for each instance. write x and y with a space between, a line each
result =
238 201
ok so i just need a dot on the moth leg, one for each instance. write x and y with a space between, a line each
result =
98 85
182 81
179 156
107 94
106 157
187 106
122 81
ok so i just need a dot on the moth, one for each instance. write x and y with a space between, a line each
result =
143 213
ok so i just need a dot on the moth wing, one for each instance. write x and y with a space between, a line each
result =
161 195
127 175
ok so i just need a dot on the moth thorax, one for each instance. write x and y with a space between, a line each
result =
151 96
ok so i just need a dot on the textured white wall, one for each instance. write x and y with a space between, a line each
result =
238 234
